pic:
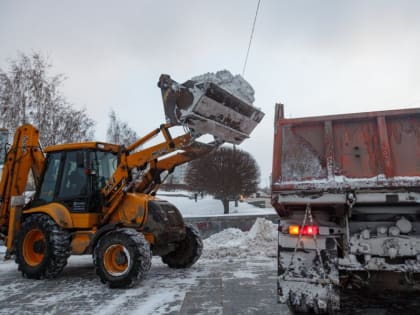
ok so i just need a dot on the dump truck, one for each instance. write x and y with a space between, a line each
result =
98 199
347 190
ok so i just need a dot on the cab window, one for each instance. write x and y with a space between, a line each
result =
48 185
74 181
104 164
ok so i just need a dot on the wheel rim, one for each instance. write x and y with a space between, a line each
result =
117 260
34 247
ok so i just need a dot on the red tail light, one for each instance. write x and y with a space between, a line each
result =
306 230
310 230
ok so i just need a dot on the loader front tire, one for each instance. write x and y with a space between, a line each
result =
187 252
122 258
42 247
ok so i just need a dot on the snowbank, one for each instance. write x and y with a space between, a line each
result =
260 240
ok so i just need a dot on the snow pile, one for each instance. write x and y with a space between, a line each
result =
260 240
236 85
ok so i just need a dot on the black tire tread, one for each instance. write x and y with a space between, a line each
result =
58 247
188 251
142 259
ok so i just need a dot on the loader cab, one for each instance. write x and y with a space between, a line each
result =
75 177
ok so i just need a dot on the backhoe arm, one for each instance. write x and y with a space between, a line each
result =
24 155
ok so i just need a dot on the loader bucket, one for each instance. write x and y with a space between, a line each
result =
207 108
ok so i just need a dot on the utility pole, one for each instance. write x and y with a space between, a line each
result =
234 156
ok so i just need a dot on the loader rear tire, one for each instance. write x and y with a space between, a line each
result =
42 247
122 258
187 252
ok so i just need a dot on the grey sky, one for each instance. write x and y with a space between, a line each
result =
315 56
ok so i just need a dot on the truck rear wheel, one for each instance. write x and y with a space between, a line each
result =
122 258
42 247
187 252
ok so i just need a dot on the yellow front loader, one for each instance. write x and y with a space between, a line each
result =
99 198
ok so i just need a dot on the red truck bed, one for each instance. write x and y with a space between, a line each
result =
375 150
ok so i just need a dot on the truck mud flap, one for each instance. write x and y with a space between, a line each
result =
304 285
206 108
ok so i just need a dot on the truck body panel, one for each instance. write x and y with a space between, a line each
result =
353 180
373 150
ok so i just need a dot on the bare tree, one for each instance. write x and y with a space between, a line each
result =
119 132
225 173
29 95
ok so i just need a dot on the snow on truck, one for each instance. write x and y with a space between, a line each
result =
347 190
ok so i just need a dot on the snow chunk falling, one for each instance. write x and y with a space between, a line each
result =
260 240
236 85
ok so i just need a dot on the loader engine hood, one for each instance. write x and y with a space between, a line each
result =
218 104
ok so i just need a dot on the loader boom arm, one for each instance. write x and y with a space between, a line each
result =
152 179
150 162
202 108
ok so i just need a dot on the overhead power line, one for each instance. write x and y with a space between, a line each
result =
250 38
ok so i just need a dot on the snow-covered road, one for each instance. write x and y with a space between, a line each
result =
238 260
77 290
235 275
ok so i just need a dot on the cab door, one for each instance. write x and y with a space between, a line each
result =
73 190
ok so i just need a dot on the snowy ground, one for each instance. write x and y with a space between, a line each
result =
230 258
235 275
